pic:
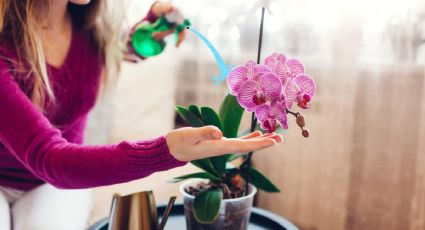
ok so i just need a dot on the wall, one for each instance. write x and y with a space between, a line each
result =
362 167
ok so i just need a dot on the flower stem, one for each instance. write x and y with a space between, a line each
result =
247 162
296 114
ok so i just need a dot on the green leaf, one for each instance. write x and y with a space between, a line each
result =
230 115
195 109
261 182
190 118
206 205
233 157
203 175
210 117
206 165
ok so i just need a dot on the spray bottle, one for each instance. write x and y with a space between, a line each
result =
143 42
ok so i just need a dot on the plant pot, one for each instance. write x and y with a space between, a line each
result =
233 215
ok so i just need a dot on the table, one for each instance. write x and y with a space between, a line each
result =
260 219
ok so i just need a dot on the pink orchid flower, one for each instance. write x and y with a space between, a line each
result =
242 73
270 116
284 68
253 93
300 89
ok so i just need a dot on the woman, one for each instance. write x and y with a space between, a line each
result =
55 54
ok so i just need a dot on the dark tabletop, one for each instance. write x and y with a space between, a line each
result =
260 219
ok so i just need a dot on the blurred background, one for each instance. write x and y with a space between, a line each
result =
363 166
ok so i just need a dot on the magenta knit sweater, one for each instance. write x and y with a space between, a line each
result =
47 147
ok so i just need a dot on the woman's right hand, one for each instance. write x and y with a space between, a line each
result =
187 144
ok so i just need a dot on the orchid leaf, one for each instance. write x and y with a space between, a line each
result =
191 118
230 115
206 205
210 117
202 175
206 165
261 182
195 109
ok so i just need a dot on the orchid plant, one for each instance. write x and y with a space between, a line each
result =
268 90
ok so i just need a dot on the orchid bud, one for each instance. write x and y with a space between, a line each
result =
306 133
300 120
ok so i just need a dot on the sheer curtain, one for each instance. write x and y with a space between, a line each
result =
362 168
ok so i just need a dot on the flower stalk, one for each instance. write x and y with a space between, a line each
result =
247 162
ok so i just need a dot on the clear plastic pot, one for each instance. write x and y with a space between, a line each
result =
234 213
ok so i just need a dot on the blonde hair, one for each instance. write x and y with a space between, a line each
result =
22 21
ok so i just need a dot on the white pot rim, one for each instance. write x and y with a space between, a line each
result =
253 191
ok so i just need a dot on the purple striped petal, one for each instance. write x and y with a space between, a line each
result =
250 66
255 70
277 63
291 92
237 77
246 95
306 84
260 70
271 86
274 60
262 112
295 66
278 111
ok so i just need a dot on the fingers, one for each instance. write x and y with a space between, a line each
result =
181 37
277 137
257 134
131 58
251 135
162 34
161 8
234 145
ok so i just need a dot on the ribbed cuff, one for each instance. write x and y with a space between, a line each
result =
150 156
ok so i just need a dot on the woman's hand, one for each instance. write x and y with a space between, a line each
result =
187 144
159 9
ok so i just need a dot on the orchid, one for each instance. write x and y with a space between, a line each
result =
242 73
271 89
301 89
272 115
253 93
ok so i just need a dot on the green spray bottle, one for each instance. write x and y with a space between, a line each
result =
143 42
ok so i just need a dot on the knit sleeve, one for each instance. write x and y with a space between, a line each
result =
28 135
